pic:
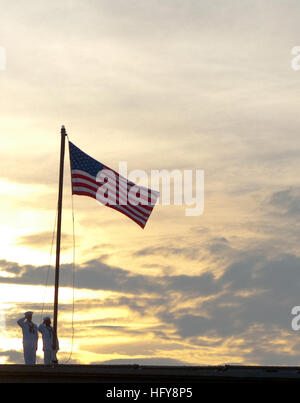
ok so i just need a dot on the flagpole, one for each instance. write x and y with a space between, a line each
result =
58 233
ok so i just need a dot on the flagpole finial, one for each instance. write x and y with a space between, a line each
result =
63 130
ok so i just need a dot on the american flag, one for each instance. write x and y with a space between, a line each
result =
94 179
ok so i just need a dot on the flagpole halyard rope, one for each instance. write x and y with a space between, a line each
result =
73 270
48 270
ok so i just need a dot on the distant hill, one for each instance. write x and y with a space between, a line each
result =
143 361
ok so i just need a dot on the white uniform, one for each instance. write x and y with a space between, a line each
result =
49 353
30 340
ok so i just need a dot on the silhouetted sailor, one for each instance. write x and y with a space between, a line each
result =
47 332
30 338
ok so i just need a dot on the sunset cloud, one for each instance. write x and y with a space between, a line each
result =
161 85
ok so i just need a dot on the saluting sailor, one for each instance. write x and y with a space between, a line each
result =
30 338
47 332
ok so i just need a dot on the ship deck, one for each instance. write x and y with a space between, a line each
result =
147 374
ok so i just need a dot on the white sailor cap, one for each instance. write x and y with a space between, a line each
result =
29 313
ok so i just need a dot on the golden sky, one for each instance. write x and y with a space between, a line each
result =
162 85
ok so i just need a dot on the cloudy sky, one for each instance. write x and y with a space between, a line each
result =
193 84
